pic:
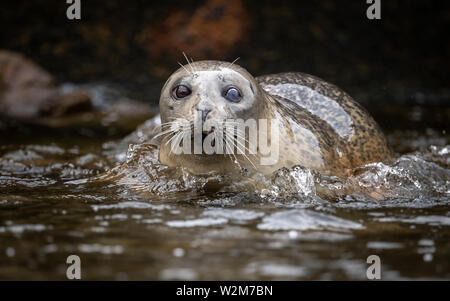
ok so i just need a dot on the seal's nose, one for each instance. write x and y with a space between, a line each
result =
204 113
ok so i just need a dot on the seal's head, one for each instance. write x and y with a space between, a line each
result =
209 92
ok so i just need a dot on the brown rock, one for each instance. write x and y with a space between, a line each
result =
25 88
71 103
213 30
27 91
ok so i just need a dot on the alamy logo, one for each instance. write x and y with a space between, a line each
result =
374 9
374 270
73 12
229 138
74 269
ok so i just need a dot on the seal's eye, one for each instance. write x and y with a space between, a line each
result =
181 91
232 94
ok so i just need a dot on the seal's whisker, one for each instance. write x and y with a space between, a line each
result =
248 159
165 126
229 148
192 61
168 123
182 136
183 129
232 154
189 63
177 116
230 139
246 141
226 146
240 134
173 145
184 67
171 138
231 64
164 129
176 143
163 132
242 148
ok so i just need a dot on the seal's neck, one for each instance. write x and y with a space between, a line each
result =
268 107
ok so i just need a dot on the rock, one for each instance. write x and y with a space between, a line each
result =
28 92
212 30
74 102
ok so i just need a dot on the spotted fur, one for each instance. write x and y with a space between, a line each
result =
346 133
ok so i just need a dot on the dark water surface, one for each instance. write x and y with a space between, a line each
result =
136 219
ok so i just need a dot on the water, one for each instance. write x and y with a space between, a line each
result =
80 189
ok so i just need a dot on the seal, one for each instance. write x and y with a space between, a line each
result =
313 124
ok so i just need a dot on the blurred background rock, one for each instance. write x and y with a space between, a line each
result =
404 57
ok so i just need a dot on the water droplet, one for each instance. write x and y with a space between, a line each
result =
428 257
178 252
10 252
